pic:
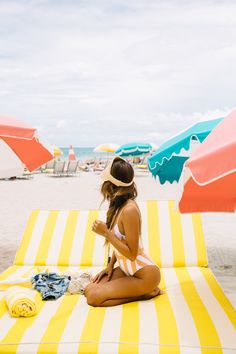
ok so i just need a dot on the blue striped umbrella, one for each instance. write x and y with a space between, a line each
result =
167 162
134 149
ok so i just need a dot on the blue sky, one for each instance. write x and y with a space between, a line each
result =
88 72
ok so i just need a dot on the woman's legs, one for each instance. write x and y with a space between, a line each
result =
114 302
122 288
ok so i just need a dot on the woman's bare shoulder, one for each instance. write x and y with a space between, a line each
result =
131 209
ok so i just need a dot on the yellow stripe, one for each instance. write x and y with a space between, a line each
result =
177 236
9 271
68 238
219 294
5 277
92 330
89 241
206 330
153 232
57 325
199 239
46 238
167 326
162 284
129 329
19 259
3 308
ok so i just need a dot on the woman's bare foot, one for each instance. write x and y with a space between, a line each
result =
155 292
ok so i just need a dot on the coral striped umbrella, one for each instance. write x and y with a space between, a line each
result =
210 174
24 142
72 156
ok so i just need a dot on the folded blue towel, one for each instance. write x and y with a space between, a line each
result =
50 285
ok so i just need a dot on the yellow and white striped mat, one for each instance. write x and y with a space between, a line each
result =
194 316
62 238
65 237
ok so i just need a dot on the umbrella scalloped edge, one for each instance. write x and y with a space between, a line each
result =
146 151
210 180
177 151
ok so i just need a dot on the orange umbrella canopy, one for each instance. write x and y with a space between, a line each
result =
23 140
211 185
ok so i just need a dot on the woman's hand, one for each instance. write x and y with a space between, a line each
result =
107 271
100 227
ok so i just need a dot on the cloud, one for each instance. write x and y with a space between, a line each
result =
61 124
90 71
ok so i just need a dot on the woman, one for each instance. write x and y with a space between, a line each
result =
137 277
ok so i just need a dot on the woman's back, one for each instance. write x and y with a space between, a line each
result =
142 259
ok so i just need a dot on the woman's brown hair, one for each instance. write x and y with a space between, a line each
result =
118 196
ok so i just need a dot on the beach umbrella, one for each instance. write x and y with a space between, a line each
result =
24 144
56 151
134 149
209 176
72 156
10 164
168 161
106 148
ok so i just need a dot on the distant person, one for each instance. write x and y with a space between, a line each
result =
136 160
137 276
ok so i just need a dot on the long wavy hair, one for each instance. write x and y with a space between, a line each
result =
118 196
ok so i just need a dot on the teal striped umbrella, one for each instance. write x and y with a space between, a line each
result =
167 162
134 149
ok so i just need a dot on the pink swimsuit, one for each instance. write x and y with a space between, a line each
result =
128 266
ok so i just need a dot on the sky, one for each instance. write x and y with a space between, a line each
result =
88 72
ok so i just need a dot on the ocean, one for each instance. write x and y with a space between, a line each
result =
84 153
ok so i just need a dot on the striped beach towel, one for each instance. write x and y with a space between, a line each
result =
21 302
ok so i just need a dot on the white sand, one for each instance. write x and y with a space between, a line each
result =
19 197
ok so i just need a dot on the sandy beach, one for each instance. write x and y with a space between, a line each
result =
19 197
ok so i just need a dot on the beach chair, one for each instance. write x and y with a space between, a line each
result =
193 316
99 166
58 170
84 167
72 168
26 175
141 170
49 167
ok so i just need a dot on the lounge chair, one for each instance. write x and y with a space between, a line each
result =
26 175
49 166
58 170
72 168
84 167
99 166
141 170
193 316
